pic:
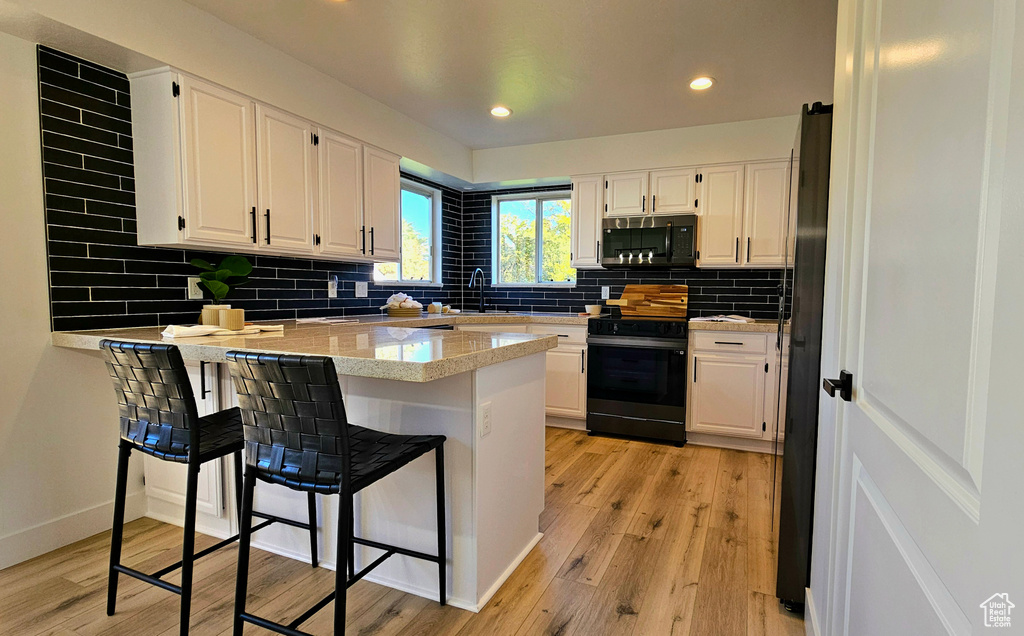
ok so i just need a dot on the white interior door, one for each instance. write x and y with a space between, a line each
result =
219 163
287 166
924 481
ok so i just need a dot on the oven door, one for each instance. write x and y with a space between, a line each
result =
636 378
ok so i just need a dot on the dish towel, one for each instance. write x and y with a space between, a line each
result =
188 331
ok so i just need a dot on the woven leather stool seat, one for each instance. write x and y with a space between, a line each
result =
297 435
374 455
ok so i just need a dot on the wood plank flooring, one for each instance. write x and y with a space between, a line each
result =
639 539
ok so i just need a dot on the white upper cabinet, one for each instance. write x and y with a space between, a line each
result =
626 194
217 170
673 191
341 195
382 208
219 161
765 217
286 157
585 225
721 215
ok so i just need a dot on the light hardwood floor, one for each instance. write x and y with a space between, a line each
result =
639 539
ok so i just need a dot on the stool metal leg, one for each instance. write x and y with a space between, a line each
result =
244 534
351 544
188 546
124 452
340 579
238 483
442 551
311 504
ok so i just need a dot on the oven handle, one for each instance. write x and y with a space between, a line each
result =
636 342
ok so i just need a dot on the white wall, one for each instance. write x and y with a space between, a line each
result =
179 34
696 145
58 423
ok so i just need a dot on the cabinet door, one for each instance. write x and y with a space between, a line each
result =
765 216
382 208
286 158
728 394
721 216
340 168
565 382
673 191
626 194
219 164
167 480
585 228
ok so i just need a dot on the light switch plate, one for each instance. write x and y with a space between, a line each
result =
606 293
485 419
332 286
194 291
361 289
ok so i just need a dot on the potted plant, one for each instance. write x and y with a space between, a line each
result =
219 280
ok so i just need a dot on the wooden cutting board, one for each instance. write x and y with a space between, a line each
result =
652 300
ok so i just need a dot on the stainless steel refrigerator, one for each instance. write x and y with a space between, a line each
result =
800 315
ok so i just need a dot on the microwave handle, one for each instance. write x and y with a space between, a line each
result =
668 243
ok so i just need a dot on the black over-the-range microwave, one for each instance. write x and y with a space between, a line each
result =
649 241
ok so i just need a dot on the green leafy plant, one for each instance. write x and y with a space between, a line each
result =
219 280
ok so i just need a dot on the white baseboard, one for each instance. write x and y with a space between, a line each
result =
57 533
507 573
811 616
556 421
732 443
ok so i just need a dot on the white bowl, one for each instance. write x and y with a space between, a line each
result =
593 310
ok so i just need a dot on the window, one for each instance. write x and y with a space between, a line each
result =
421 237
531 239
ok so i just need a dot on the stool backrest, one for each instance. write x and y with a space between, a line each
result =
154 394
294 416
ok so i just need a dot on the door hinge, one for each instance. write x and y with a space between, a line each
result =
181 223
175 89
316 239
316 139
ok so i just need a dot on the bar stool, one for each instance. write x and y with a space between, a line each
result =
159 418
297 435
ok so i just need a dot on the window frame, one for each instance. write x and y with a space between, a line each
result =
435 238
538 198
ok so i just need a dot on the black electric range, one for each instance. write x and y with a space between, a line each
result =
636 377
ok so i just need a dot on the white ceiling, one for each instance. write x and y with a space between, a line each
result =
567 68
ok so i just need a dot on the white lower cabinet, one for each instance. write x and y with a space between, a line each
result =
166 481
728 394
733 384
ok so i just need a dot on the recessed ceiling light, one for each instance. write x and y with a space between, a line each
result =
702 83
501 111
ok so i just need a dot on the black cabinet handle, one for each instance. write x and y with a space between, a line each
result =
371 241
599 251
362 233
748 249
643 203
654 202
583 363
737 249
844 385
202 380
254 224
268 226
695 370
738 344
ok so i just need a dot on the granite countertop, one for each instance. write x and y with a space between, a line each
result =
372 349
758 326
470 318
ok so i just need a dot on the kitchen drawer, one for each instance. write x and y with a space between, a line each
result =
567 334
729 341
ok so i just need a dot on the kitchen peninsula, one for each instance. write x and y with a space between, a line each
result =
484 391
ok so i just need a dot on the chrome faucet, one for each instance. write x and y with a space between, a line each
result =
472 279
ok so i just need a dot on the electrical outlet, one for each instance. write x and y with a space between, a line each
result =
485 419
332 286
194 291
361 289
606 293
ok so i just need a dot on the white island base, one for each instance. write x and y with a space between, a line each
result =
494 482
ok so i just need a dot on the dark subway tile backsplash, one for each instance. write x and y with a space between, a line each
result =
101 278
